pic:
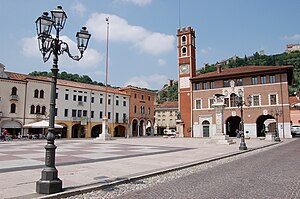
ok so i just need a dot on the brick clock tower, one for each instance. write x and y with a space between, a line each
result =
186 70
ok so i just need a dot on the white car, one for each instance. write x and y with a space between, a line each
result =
170 132
295 130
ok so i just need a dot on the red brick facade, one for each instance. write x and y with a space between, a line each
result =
265 86
186 70
141 110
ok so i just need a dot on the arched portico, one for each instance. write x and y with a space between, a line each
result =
142 128
134 127
232 124
119 131
64 130
96 130
78 131
260 127
149 128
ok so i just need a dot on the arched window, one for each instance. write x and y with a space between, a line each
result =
43 110
32 109
233 99
14 91
38 109
36 93
42 94
183 40
205 122
13 108
183 51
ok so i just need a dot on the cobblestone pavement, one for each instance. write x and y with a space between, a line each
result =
265 173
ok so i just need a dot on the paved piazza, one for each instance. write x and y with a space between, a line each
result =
86 163
30 154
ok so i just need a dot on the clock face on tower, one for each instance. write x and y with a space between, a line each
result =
184 69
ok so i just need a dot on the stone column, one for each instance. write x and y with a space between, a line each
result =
219 137
179 127
219 109
104 135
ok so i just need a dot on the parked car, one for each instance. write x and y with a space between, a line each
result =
295 130
170 132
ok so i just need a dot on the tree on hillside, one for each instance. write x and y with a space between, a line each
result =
68 76
168 94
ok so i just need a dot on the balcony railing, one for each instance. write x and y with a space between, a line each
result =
14 97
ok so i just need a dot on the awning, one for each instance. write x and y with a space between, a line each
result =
42 125
8 124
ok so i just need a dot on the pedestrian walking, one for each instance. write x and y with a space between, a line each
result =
4 134
238 135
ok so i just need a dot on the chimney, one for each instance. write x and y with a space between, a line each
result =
170 83
219 67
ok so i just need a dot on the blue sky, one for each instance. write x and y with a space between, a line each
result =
142 44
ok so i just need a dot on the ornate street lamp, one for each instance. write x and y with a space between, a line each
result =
240 103
49 182
276 113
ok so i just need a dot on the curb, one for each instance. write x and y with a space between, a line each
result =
124 180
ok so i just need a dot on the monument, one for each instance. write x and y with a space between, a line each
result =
219 137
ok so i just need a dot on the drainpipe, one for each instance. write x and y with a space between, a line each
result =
283 133
24 113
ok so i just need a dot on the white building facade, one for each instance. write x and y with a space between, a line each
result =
25 99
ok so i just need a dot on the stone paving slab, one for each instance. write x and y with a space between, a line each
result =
86 162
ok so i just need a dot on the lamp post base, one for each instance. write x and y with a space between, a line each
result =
243 146
49 186
277 139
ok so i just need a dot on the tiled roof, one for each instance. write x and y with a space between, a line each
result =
16 76
127 88
245 70
168 105
294 100
23 77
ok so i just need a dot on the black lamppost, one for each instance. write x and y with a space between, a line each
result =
276 113
240 103
49 182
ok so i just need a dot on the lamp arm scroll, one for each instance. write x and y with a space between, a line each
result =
46 46
65 48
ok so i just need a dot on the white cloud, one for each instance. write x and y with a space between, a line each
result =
156 43
120 31
78 8
90 58
30 47
136 2
161 62
154 81
295 37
